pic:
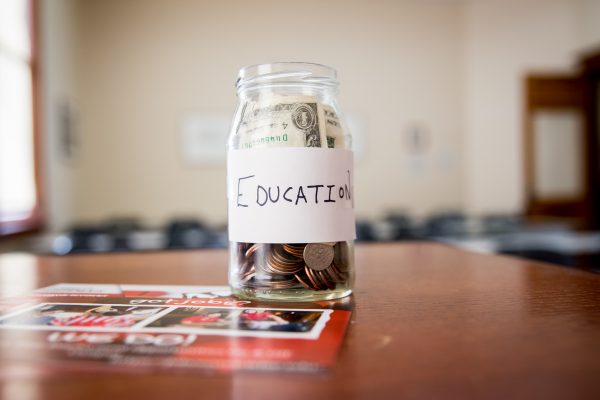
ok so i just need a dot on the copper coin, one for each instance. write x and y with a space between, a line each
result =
303 281
253 249
313 279
342 256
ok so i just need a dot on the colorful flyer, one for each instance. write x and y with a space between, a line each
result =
100 326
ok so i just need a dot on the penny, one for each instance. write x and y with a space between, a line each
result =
303 281
325 281
313 279
297 250
318 256
253 249
314 266
247 277
342 256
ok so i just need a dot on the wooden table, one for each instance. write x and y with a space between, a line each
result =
430 322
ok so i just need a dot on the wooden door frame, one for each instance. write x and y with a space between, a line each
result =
578 91
590 75
552 92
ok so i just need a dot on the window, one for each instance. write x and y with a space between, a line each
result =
19 191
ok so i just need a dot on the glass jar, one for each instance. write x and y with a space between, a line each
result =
290 186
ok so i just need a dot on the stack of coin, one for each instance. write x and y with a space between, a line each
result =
314 266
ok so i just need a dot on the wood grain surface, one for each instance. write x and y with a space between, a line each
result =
429 322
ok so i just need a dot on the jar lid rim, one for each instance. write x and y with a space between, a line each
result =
286 73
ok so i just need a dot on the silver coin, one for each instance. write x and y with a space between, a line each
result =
318 256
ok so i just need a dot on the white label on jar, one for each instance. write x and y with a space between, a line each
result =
290 195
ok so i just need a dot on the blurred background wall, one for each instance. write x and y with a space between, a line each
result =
436 87
504 40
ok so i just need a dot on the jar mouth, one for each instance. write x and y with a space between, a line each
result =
279 74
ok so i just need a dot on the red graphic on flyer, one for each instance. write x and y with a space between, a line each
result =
185 327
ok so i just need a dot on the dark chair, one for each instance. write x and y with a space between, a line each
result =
364 232
187 234
121 231
450 224
497 224
401 226
89 238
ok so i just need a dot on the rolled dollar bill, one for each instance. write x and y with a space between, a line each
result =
282 121
334 131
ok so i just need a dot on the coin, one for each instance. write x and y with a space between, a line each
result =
342 256
325 279
314 279
247 277
318 256
253 249
297 250
303 280
314 266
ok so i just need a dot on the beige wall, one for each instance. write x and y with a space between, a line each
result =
588 27
452 67
144 65
504 40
